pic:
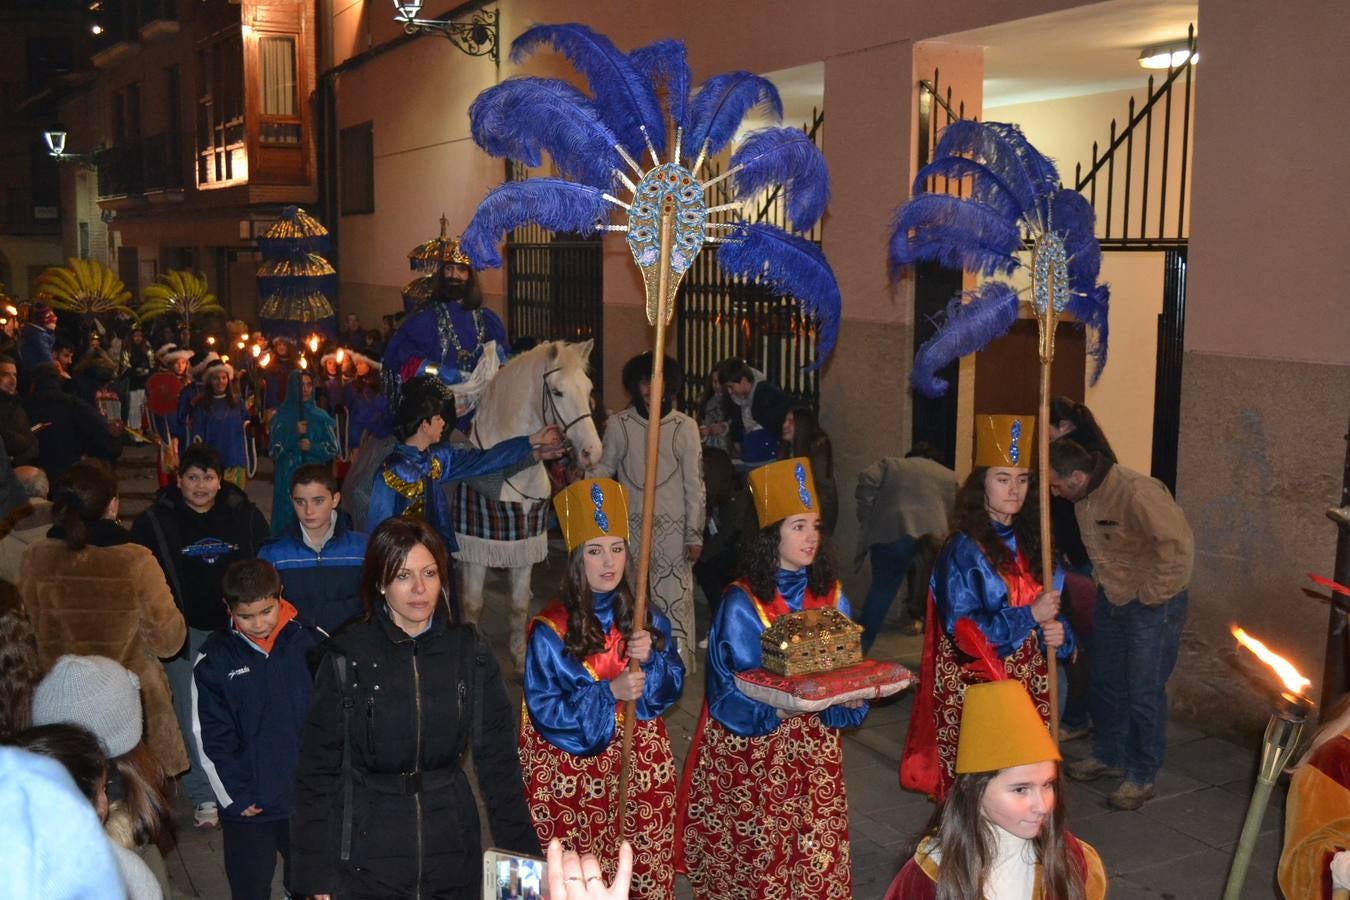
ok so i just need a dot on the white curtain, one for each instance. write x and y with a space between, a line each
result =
277 55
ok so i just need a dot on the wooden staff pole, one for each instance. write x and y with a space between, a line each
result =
1047 323
644 566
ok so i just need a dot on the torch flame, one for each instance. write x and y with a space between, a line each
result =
313 343
304 363
1292 678
210 341
340 355
257 350
11 309
267 358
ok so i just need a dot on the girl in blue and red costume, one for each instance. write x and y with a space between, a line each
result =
763 814
989 572
577 679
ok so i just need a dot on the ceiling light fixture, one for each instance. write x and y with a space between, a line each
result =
1169 56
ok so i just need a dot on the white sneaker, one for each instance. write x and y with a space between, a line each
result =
206 815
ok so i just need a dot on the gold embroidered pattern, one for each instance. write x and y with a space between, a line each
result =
412 491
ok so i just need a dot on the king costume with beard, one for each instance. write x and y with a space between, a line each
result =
446 329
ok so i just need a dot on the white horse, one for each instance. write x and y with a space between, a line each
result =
547 385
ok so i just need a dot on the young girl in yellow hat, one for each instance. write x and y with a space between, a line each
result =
762 810
576 680
999 834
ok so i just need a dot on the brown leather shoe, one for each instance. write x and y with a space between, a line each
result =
1130 796
1091 769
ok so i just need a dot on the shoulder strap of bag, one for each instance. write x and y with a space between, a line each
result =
340 666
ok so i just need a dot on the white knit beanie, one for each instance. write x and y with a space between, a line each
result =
96 693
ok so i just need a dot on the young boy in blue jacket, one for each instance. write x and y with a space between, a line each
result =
320 557
250 695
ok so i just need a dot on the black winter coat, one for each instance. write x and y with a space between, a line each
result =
414 823
74 428
196 548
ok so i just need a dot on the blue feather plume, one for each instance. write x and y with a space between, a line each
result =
784 156
623 96
720 105
790 266
522 116
1072 217
1091 309
956 234
665 63
1005 152
968 327
982 184
551 203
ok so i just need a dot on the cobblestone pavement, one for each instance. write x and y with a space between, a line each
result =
1178 846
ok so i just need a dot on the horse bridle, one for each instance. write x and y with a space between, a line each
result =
547 407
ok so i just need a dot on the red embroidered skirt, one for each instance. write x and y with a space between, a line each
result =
575 799
765 818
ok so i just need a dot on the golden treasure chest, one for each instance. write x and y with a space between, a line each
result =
813 640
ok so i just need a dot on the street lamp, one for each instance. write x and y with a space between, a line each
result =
55 139
476 37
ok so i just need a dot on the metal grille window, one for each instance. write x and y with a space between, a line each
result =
356 146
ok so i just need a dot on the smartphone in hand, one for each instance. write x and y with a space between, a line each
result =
511 876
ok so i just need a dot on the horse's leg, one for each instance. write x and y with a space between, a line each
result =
471 593
519 613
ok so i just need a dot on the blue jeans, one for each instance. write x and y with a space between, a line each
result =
1134 651
179 670
890 562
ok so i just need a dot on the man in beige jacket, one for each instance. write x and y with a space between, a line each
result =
1142 555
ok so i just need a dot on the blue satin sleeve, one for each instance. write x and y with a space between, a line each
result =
966 587
664 671
459 463
569 708
733 646
842 716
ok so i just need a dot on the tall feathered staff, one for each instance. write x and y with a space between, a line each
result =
1014 202
596 140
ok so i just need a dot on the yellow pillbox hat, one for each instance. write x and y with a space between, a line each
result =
1004 440
591 508
1000 728
784 488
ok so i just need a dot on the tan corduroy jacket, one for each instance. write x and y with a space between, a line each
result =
1137 538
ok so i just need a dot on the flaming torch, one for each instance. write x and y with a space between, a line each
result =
1277 746
313 343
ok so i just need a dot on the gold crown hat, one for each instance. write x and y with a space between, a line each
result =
1004 440
592 508
1000 729
784 488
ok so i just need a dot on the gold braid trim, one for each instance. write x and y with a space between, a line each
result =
412 491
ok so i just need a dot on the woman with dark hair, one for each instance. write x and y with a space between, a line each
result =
382 805
802 436
1000 833
1069 418
577 678
989 574
301 434
20 667
90 589
218 417
677 534
762 809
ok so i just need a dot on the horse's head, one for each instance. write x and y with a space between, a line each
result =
568 401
